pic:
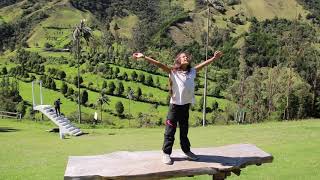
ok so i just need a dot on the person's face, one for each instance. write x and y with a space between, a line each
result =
184 59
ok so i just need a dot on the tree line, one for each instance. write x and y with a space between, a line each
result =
278 75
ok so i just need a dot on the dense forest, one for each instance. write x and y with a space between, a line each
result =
314 7
4 3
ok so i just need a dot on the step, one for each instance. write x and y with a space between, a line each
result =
49 110
62 119
71 129
51 113
59 118
66 119
79 133
47 107
64 123
68 126
75 131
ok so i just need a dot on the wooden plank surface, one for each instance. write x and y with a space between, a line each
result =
148 165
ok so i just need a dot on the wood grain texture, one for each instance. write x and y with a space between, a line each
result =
148 165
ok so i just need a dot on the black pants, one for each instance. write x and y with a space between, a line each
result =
177 113
57 110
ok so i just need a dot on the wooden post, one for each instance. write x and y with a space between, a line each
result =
236 171
33 99
219 176
41 98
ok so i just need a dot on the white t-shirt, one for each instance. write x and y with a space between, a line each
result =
182 87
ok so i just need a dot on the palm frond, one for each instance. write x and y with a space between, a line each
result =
87 33
76 34
82 31
103 99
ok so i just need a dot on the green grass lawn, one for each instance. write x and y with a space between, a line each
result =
29 152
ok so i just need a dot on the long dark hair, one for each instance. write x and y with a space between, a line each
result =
177 63
177 67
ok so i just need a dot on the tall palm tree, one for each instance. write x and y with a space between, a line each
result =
102 99
81 31
130 97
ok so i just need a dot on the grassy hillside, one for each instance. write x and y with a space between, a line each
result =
158 94
186 32
26 145
57 29
188 5
125 25
136 107
268 9
70 107
10 13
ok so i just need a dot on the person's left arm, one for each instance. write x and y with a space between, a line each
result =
216 56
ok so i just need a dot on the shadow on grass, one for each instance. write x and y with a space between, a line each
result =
8 129
83 133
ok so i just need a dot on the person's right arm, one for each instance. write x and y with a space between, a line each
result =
152 61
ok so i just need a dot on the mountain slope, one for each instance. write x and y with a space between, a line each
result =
56 30
186 32
62 17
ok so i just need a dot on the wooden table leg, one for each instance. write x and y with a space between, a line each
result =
236 171
219 176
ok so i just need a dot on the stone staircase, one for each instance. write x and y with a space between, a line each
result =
62 122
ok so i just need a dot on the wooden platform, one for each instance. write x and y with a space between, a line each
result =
217 161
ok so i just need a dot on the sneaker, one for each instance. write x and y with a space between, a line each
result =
166 159
191 156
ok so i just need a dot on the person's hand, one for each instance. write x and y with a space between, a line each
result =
137 55
217 54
